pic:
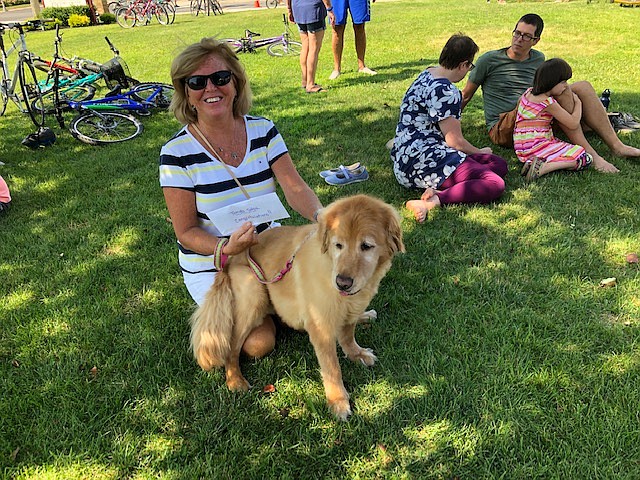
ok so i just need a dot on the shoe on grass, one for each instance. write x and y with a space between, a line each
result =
327 173
345 176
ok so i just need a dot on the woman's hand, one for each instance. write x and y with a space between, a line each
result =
485 150
241 239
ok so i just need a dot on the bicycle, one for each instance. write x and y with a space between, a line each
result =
102 121
279 46
62 86
272 3
23 74
207 6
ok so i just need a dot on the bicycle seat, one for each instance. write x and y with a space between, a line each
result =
249 33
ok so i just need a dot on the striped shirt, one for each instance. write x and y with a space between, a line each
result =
533 134
184 163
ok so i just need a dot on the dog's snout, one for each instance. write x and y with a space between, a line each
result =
344 283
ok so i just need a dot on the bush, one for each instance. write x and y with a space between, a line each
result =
63 13
107 18
76 20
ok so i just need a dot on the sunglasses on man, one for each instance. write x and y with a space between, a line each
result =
219 79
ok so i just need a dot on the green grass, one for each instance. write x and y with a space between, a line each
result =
499 354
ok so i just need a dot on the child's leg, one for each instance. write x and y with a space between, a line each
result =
581 163
472 182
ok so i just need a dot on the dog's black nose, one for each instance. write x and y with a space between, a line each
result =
344 283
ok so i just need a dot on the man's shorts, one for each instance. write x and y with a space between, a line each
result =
360 11
502 132
312 27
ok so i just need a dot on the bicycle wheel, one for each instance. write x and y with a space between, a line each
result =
105 128
161 14
4 97
30 90
194 7
171 11
77 93
236 45
160 94
282 49
126 18
113 7
271 3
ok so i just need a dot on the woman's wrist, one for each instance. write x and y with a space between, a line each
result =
219 257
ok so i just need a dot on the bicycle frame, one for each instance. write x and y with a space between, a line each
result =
119 101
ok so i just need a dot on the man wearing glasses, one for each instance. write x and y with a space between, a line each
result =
506 73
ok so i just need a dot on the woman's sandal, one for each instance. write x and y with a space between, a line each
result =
583 162
534 170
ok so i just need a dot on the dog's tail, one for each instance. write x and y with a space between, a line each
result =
212 324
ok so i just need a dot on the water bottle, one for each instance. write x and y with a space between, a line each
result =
606 98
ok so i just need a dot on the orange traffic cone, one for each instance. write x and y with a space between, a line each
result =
256 4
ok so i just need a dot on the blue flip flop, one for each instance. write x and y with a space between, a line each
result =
346 176
333 171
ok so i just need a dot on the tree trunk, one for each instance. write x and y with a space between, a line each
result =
35 8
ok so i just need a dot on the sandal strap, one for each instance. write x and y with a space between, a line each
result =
584 161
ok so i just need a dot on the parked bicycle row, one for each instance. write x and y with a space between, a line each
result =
69 84
130 13
48 88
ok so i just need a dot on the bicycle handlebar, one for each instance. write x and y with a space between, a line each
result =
37 23
113 49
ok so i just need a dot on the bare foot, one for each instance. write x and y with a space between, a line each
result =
419 209
368 71
601 165
427 194
628 151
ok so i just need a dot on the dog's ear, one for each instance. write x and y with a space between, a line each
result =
324 217
394 231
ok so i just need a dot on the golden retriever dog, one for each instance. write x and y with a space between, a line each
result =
336 269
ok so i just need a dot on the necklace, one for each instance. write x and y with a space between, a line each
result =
233 155
229 153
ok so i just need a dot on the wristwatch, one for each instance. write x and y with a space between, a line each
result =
330 9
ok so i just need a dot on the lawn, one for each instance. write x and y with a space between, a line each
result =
500 356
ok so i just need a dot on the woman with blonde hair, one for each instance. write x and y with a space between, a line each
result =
221 156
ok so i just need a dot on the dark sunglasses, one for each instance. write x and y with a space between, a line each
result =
198 82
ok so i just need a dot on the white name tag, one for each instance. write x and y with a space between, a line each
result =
263 209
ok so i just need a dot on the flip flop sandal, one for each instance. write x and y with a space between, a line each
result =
333 171
534 171
584 162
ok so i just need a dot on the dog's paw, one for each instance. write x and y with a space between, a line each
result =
341 409
238 384
365 356
368 316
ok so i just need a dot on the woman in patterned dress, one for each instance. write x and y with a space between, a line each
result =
533 138
429 151
219 138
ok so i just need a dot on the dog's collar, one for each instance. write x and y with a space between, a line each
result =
259 273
